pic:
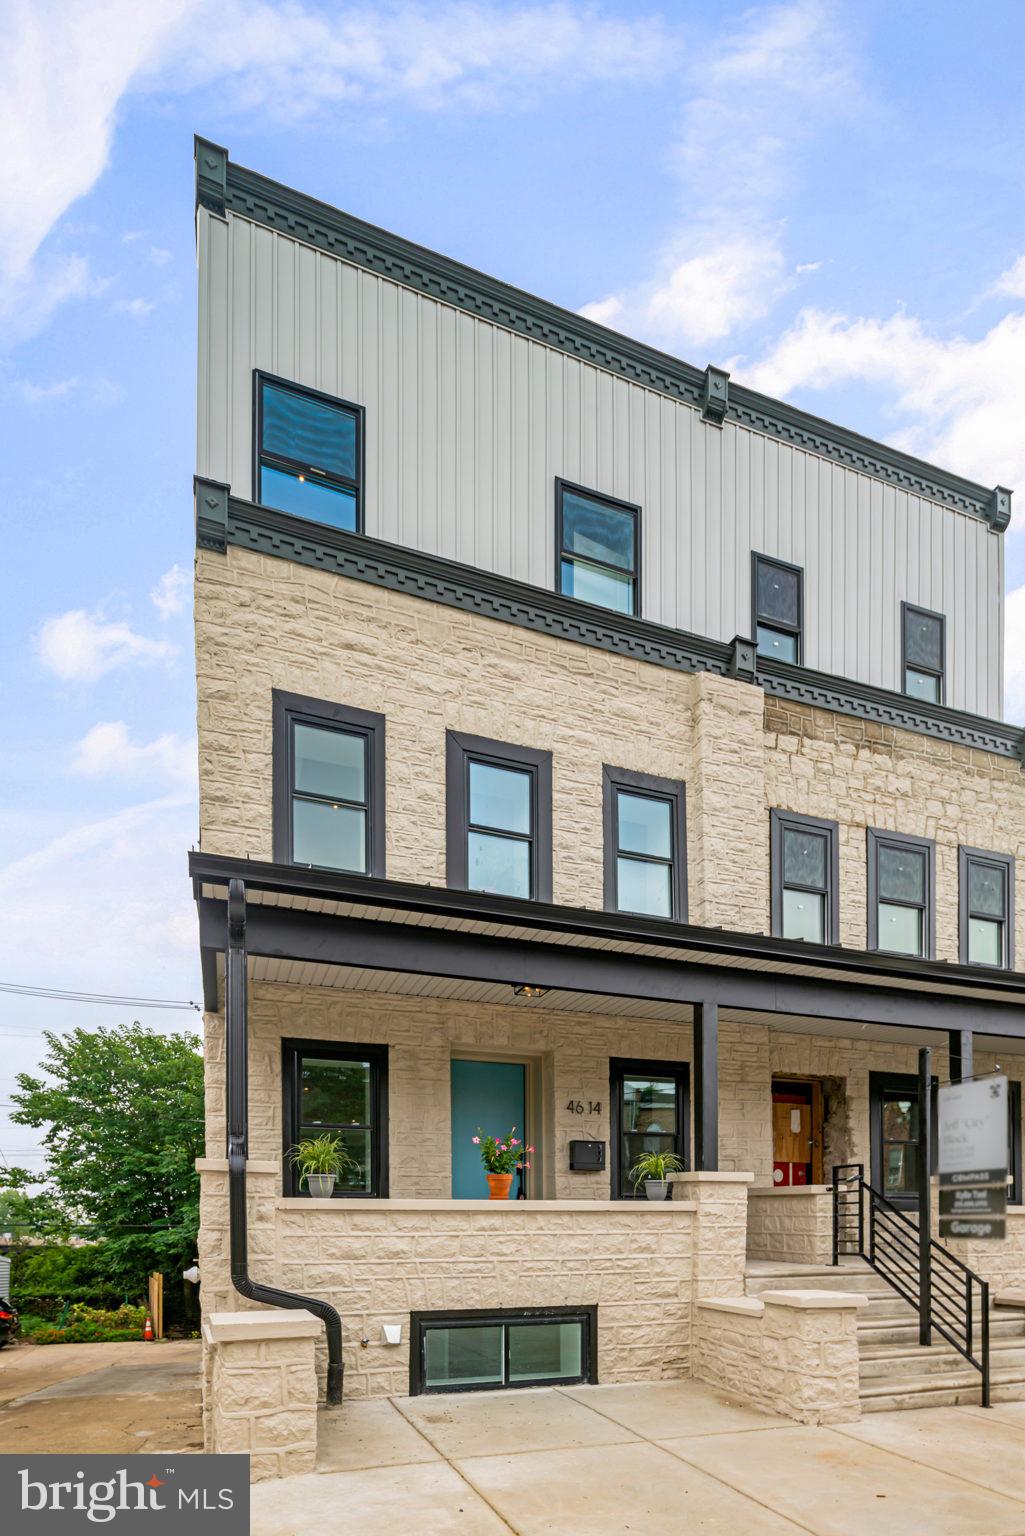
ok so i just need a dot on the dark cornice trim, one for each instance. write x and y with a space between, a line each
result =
222 186
360 558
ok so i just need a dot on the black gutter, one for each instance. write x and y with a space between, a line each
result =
296 880
237 1065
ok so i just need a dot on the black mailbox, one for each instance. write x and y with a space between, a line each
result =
586 1156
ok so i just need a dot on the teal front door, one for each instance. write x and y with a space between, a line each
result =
490 1095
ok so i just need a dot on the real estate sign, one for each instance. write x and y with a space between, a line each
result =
972 1158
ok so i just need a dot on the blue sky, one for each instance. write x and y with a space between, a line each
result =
826 198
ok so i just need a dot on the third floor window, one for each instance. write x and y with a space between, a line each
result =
924 647
308 454
778 608
597 551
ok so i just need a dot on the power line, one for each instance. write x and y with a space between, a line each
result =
98 997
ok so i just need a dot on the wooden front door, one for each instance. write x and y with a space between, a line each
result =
797 1133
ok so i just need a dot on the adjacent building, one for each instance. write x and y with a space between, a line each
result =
588 745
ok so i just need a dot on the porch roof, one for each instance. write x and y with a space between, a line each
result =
307 925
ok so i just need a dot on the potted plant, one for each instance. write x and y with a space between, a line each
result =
654 1168
502 1157
320 1159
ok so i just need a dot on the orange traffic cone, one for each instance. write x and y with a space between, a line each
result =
147 1331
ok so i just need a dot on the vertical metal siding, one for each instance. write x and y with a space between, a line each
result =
469 425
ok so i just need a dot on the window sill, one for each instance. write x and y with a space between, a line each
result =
478 1207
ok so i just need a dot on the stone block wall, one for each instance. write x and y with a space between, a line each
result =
794 1225
260 1389
379 1261
790 1352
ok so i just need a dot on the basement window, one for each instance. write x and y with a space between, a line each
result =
487 1351
309 453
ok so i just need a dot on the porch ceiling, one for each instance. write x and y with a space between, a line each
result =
558 1000
525 932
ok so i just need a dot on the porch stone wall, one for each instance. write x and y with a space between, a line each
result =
260 1389
793 1225
378 1261
789 1352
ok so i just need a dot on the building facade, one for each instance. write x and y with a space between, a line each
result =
588 747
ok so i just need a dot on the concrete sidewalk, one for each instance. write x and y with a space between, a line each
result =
601 1461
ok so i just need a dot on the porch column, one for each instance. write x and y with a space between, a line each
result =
706 1087
960 1050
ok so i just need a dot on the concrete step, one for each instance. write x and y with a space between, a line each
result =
807 1277
941 1391
903 1328
896 1362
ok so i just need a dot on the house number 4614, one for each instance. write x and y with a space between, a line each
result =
579 1107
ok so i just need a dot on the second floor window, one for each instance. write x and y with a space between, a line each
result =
901 894
924 640
778 608
805 877
328 785
597 552
499 817
308 453
986 883
645 844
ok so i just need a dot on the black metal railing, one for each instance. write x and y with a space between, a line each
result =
949 1297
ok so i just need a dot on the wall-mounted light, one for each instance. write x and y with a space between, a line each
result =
526 990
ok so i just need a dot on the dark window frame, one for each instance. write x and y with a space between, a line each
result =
757 558
291 708
1015 1190
966 857
618 505
296 466
621 1067
780 822
877 838
656 788
460 751
906 609
905 1083
422 1323
292 1052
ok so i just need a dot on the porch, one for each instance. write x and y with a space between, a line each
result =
748 1057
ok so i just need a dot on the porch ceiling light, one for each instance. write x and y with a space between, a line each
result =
525 989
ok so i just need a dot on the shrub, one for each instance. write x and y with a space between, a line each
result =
85 1333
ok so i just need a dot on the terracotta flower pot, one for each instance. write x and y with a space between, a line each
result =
499 1184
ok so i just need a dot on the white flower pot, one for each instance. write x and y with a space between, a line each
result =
320 1185
656 1189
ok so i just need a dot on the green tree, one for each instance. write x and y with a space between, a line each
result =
122 1110
24 1216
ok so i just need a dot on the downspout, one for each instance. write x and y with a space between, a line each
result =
236 1021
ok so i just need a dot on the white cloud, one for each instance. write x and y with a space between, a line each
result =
65 69
159 255
119 887
960 402
108 751
31 393
80 647
169 594
808 266
137 308
1011 284
759 95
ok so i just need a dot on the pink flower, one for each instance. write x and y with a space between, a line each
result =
476 1141
514 1142
530 1149
526 1165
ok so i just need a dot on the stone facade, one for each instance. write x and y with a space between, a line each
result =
260 1389
793 1225
789 1352
378 1261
